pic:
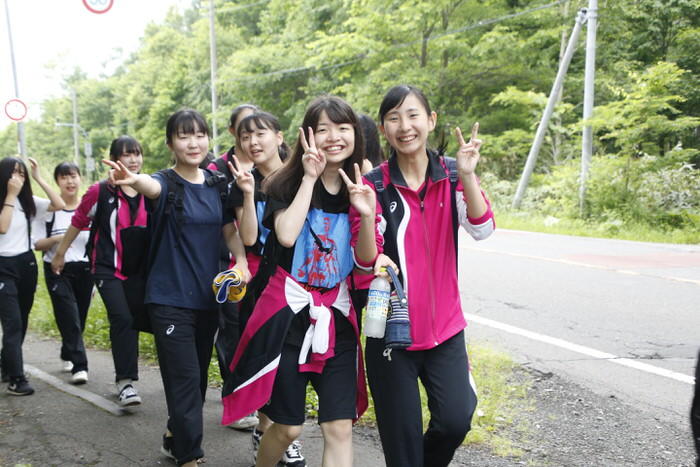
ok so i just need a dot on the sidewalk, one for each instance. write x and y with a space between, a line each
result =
70 425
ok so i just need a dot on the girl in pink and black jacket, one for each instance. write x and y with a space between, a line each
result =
423 198
110 210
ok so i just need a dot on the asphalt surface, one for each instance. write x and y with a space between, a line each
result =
534 296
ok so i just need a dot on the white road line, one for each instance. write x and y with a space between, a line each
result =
581 264
581 349
99 401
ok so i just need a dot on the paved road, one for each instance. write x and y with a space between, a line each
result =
614 316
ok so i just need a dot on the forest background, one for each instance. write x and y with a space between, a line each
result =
492 61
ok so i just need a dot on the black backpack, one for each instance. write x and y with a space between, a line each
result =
174 205
137 254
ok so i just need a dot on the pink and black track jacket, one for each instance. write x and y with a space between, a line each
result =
420 236
114 215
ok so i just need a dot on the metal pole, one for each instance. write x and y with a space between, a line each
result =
212 62
549 109
588 94
20 125
76 155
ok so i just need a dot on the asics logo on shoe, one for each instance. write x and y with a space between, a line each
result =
170 329
392 206
53 289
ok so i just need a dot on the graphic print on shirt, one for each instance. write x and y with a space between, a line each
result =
328 264
263 231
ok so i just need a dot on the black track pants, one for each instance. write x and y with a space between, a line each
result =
184 342
18 275
70 293
393 380
117 297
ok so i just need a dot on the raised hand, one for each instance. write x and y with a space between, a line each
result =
119 174
362 197
468 153
244 179
34 168
313 160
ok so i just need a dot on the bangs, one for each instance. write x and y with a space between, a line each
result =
338 113
124 145
130 146
258 121
185 122
65 168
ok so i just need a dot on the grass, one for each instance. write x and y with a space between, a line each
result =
499 394
624 231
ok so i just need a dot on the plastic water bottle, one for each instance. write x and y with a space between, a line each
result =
377 307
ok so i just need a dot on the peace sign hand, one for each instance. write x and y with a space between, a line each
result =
313 160
468 153
244 179
362 197
119 174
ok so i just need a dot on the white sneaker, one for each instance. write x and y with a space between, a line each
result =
129 396
79 377
67 366
292 456
245 423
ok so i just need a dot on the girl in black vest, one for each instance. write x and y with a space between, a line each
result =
109 210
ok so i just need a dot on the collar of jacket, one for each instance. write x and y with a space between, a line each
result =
436 171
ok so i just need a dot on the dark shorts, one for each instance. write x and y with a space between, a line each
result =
336 388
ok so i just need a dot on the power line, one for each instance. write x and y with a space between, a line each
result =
364 56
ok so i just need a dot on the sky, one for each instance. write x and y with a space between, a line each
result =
52 37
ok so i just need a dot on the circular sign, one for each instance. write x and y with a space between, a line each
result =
98 6
16 109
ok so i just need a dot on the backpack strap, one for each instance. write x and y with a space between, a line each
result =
451 165
174 205
218 179
377 178
105 191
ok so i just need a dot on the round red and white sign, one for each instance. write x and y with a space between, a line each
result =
98 6
15 109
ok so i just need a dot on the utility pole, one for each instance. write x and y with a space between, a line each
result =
76 154
588 94
213 66
20 125
549 109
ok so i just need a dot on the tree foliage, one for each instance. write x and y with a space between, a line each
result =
488 60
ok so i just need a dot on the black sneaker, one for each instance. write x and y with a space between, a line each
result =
167 448
20 387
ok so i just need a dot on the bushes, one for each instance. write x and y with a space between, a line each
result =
659 193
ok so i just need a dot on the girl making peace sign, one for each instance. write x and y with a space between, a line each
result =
303 322
424 197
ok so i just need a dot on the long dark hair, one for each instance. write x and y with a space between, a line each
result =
7 167
259 120
285 182
373 150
